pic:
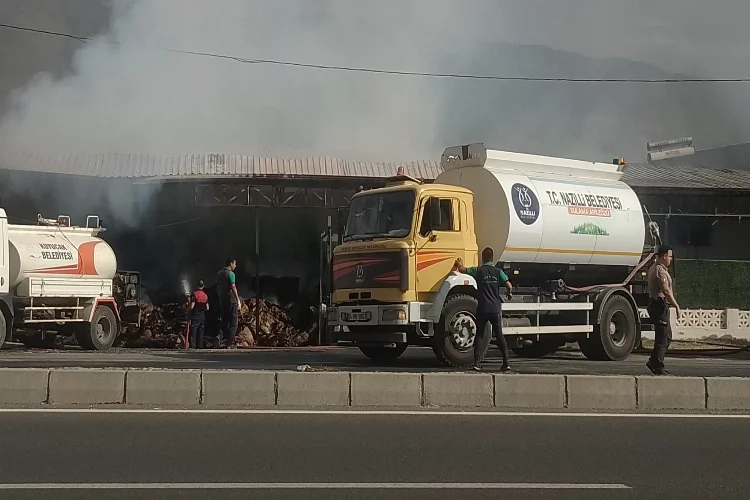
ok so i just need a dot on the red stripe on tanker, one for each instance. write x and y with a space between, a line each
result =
43 251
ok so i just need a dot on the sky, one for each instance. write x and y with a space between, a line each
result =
128 96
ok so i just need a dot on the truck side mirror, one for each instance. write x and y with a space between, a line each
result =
433 205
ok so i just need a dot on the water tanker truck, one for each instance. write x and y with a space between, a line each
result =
570 235
59 279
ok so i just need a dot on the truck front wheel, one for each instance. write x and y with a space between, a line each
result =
454 336
615 337
101 333
381 353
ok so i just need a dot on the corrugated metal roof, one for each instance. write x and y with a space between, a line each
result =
211 165
686 177
224 165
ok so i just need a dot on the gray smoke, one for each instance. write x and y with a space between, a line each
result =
129 97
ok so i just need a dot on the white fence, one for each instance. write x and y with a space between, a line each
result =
728 325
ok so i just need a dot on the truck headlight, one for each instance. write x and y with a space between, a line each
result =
333 315
394 315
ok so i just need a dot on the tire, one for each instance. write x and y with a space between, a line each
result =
91 338
615 337
454 336
538 349
3 328
383 354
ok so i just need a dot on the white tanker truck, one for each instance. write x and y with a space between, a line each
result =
58 279
569 234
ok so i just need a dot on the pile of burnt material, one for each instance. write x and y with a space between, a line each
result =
161 327
165 327
274 327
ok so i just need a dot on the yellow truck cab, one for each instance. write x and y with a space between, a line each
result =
393 279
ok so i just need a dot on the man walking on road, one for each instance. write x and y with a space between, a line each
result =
230 302
661 297
198 306
489 280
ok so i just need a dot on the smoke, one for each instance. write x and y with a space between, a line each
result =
123 95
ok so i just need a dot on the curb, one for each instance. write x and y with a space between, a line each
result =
32 386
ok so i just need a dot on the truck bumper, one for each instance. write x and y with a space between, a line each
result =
381 323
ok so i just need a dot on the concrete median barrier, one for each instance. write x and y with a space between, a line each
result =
23 385
249 388
86 386
239 388
162 387
386 389
313 389
530 391
725 393
458 389
669 393
601 392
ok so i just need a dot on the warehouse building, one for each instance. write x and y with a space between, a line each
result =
177 218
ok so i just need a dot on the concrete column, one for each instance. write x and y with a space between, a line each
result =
733 322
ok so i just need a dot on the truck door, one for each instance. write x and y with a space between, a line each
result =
439 241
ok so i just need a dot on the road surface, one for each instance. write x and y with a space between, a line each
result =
345 358
355 456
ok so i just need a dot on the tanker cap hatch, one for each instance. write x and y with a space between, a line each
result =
468 155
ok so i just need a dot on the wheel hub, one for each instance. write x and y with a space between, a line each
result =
618 329
463 328
103 329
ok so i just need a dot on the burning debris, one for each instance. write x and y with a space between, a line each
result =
166 326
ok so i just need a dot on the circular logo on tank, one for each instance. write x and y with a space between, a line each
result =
525 203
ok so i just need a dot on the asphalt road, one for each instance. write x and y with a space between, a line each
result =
120 455
344 358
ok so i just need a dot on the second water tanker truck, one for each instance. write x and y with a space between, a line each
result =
570 235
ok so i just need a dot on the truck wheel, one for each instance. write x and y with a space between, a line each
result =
615 337
454 338
383 353
538 349
101 333
3 328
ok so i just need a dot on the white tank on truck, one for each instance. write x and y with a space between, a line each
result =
540 210
59 279
44 252
570 235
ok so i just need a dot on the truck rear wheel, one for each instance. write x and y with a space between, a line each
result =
615 337
101 333
381 353
454 338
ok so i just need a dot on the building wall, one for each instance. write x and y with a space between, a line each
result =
161 231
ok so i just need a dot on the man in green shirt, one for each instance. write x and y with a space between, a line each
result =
229 299
489 280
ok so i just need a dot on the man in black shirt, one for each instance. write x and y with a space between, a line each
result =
489 280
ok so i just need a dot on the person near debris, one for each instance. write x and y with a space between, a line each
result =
489 280
661 296
230 301
198 305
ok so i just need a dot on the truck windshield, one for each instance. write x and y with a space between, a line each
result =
381 215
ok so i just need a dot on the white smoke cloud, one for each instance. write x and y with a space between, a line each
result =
128 97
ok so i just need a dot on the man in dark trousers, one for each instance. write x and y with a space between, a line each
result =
198 305
230 302
661 296
489 281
